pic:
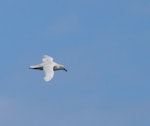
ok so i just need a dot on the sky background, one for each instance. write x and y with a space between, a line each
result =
105 45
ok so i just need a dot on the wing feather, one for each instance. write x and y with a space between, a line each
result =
49 72
47 58
48 65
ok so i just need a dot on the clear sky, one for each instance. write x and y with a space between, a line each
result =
105 45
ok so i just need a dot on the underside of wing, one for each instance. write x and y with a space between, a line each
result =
49 73
47 59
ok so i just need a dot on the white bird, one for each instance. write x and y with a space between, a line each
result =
49 66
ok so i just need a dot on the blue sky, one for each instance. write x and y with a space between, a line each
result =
105 45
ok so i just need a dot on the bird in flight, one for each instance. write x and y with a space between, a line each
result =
49 66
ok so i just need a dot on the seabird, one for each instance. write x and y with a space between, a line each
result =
49 66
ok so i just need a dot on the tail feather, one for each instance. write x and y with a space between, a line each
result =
39 67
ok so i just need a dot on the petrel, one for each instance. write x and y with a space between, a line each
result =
49 66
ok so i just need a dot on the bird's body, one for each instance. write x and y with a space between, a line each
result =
49 66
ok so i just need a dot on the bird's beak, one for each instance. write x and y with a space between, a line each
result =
65 69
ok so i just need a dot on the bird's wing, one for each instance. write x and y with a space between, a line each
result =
48 65
47 58
49 72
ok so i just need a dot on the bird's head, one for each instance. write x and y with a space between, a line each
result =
59 67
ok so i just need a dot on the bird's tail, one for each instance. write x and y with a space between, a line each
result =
38 67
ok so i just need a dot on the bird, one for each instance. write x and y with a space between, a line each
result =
48 66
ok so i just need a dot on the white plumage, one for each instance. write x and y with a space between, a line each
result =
49 66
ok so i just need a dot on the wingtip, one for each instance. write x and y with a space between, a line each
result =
46 79
46 57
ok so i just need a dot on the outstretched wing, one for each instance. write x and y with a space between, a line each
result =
47 58
48 65
49 72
